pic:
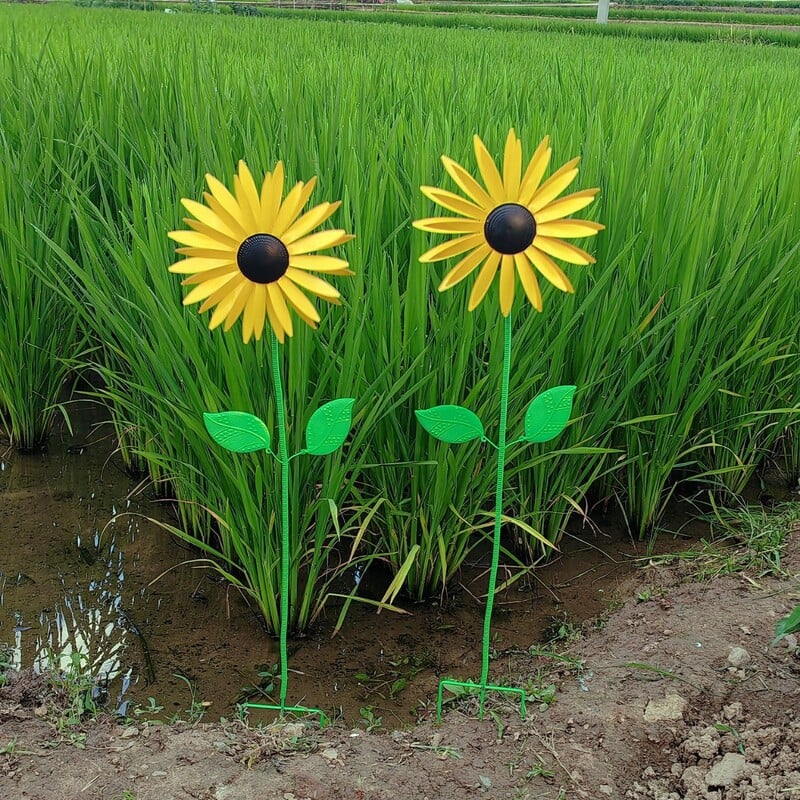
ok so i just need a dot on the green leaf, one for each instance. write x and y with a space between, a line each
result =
787 625
548 414
237 431
452 424
328 427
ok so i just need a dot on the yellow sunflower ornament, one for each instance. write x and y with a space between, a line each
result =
514 222
251 254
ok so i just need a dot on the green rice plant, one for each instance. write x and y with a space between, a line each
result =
688 306
37 330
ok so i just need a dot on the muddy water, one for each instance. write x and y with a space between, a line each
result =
85 576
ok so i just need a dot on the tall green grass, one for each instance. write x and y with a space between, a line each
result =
37 329
681 339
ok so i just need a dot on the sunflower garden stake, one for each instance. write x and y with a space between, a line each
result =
513 224
250 255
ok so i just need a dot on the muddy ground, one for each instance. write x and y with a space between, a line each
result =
678 693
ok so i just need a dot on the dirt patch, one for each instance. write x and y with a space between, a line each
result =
678 694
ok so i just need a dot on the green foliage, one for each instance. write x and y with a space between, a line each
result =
451 424
789 624
237 431
682 340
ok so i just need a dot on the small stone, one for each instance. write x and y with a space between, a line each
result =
159 773
738 657
670 707
330 754
727 771
485 781
790 640
293 729
605 789
129 733
732 712
41 711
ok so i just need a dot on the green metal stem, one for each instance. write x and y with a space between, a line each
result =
283 460
498 508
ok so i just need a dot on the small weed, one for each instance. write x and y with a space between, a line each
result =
371 721
151 709
746 541
197 708
76 694
561 631
9 748
723 728
6 662
539 771
789 624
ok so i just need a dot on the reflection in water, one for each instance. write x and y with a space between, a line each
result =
87 630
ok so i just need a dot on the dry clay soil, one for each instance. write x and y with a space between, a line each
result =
678 696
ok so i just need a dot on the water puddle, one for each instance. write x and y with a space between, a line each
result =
82 582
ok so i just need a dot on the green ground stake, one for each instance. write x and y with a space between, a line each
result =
483 686
511 226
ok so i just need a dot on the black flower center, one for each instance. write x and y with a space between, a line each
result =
262 258
509 229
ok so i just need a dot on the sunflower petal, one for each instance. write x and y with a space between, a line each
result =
202 240
278 303
207 230
468 184
453 202
238 306
549 269
234 222
535 171
201 277
208 255
249 218
274 320
489 172
506 284
301 304
569 228
563 250
310 220
566 205
326 264
188 266
250 313
208 288
554 185
455 247
512 167
292 206
448 225
464 267
224 197
260 313
271 197
319 241
247 193
220 295
484 280
224 308
312 283
208 217
527 277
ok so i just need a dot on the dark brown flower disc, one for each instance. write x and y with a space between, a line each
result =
509 229
262 258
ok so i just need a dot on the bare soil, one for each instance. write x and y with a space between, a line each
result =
679 693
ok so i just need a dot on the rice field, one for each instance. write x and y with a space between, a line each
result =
682 339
